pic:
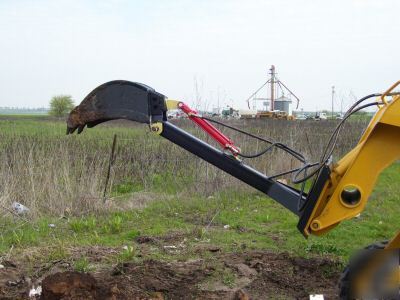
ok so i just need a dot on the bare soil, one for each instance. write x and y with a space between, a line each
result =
246 275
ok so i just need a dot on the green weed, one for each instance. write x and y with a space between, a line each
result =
82 265
83 224
323 248
127 254
126 188
132 234
228 278
58 252
114 224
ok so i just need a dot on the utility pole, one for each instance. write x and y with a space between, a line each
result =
333 97
219 111
272 87
341 107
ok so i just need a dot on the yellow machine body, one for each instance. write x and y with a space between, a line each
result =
377 149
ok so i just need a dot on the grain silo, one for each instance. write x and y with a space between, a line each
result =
283 104
270 100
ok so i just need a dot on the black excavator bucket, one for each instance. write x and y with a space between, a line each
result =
118 99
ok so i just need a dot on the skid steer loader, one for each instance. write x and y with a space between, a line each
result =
339 190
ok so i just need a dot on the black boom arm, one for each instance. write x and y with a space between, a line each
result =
140 103
280 192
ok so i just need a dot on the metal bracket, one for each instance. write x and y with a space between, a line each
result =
156 128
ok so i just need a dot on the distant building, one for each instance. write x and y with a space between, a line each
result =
216 111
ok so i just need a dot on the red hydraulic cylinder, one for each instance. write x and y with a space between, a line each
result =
217 135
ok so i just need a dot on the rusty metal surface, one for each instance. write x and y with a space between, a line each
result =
83 115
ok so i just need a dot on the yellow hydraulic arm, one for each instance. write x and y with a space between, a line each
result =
352 179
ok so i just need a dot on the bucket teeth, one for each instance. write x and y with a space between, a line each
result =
80 128
70 130
77 120
88 113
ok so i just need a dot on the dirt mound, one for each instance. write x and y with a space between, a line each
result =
69 285
247 275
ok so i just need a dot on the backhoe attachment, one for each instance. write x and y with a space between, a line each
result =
140 103
340 191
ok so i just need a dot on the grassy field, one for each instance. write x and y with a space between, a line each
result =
255 222
54 174
157 189
184 223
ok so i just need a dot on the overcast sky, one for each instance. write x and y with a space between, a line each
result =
69 47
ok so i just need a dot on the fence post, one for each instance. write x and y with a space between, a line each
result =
110 163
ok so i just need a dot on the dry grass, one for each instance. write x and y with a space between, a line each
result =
56 175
